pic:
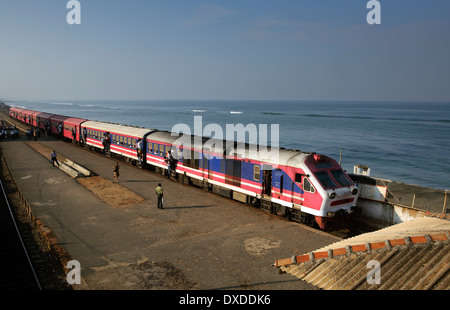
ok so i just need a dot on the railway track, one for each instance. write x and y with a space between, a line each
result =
16 269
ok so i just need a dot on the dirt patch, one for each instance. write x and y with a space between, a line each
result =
109 192
162 275
260 246
146 275
44 150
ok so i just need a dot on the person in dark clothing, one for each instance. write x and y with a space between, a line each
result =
53 159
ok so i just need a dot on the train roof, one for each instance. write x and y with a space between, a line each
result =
44 114
275 156
117 128
272 156
31 112
67 119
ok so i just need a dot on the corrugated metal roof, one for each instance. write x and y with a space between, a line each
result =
411 263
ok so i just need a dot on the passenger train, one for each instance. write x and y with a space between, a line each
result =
306 187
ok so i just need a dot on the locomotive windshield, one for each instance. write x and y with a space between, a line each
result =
339 179
325 180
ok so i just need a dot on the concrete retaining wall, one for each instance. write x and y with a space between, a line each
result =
384 202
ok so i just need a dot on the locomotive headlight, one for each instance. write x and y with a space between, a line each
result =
332 195
355 191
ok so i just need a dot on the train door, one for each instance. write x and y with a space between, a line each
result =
297 188
277 183
207 163
210 169
267 180
309 192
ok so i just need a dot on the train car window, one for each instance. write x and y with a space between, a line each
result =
150 147
257 172
187 157
161 150
222 163
196 159
340 177
298 178
121 140
307 186
191 158
233 171
155 148
325 179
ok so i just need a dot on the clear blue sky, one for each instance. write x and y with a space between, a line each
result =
243 49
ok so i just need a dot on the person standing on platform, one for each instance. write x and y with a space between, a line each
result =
116 172
53 159
160 196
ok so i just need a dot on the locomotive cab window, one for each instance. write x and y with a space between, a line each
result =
298 178
307 186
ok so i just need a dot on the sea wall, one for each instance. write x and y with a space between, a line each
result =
384 202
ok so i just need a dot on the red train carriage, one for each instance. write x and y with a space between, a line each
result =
40 119
23 115
67 127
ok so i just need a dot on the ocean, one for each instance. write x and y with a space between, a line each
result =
401 141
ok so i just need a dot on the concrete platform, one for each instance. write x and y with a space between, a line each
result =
199 241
